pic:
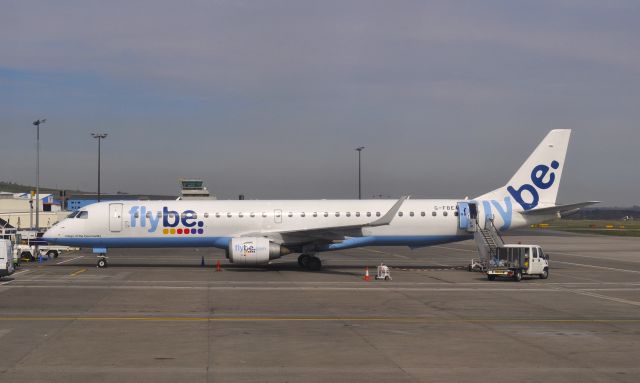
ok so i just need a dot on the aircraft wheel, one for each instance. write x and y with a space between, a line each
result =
303 259
102 263
314 264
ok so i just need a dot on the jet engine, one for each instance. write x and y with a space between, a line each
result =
254 251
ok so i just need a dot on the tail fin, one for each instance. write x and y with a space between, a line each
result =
538 179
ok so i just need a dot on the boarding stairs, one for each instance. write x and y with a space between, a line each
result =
488 240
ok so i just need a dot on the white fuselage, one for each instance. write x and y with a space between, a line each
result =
214 223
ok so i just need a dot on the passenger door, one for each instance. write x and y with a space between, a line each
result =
115 217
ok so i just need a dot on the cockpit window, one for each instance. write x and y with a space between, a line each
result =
73 215
83 215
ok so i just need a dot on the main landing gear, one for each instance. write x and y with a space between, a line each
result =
309 262
102 261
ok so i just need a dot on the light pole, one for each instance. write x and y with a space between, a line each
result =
37 124
100 137
359 150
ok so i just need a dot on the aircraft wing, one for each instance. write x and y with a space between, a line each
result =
560 209
329 233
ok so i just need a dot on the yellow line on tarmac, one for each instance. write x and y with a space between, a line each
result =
77 272
315 319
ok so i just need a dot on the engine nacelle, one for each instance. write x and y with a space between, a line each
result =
253 251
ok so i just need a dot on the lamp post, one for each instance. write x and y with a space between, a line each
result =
37 124
359 150
100 137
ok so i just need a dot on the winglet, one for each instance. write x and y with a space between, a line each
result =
388 217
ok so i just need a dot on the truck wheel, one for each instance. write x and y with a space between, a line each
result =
517 276
545 274
52 253
491 277
27 255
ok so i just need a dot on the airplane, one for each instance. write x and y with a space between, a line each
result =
256 232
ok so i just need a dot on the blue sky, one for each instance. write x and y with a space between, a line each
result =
270 98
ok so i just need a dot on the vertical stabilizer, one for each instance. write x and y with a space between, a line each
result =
537 181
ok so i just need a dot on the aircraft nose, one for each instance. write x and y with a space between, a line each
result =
51 235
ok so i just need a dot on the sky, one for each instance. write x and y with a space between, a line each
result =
270 98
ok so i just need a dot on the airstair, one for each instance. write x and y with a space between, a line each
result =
488 240
486 236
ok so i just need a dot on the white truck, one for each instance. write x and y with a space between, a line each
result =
27 251
515 261
6 258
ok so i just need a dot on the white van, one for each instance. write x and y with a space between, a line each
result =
6 258
514 261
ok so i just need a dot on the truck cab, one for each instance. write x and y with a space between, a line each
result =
515 261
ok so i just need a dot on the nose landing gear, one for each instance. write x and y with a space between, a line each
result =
102 261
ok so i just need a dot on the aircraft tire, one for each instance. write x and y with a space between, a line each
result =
314 264
303 260
102 263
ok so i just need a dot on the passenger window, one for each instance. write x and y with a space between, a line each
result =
83 215
337 214
422 214
252 214
148 215
411 214
348 214
445 213
206 215
455 213
302 215
290 214
229 215
400 214
377 214
326 214
315 214
217 215
240 215
264 215
433 213
357 214
368 214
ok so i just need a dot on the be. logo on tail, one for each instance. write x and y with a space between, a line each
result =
542 178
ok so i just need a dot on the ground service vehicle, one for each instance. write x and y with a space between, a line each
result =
6 258
515 261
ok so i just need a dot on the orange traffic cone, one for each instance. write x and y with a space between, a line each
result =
218 265
366 275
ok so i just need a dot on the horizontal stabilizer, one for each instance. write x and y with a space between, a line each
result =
560 209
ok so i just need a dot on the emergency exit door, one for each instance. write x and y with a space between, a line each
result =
115 217
277 216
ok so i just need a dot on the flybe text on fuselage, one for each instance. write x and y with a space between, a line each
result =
169 220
